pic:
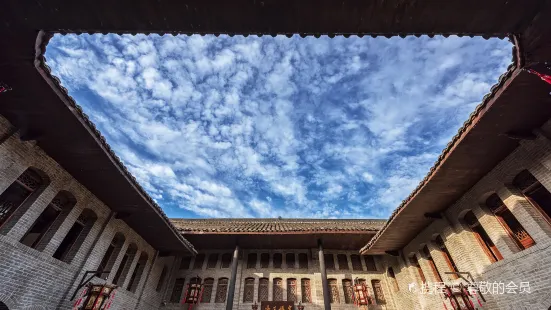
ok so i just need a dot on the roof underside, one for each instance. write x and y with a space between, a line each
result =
519 104
278 233
385 17
43 111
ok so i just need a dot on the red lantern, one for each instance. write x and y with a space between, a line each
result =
95 297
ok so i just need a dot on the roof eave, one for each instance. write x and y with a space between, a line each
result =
473 120
41 66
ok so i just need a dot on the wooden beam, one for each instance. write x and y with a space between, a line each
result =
122 215
393 253
433 215
28 135
520 135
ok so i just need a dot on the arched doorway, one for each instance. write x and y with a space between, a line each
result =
3 306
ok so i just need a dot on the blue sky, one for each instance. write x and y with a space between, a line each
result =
268 127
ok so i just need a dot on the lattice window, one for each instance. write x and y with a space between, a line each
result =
30 179
290 260
226 260
248 292
75 237
303 261
348 291
207 290
111 254
524 180
329 261
221 290
538 196
278 259
49 221
251 261
264 260
291 289
356 262
14 196
378 292
278 289
185 263
125 264
137 273
263 289
212 261
177 290
370 263
198 263
343 262
509 222
334 290
306 292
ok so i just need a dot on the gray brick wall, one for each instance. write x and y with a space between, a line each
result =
312 273
530 265
32 278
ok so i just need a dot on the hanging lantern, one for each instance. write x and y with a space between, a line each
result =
361 296
193 292
96 297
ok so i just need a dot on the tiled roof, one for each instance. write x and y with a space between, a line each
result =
274 225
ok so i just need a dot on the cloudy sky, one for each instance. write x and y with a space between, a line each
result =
268 127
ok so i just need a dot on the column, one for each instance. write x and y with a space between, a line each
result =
324 284
231 286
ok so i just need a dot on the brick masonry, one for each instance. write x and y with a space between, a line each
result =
33 279
312 273
530 265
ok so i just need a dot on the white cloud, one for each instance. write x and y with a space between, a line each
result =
241 127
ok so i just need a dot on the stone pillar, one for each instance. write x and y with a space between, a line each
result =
231 286
324 284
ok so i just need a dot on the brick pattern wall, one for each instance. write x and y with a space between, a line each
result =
33 279
529 265
312 273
